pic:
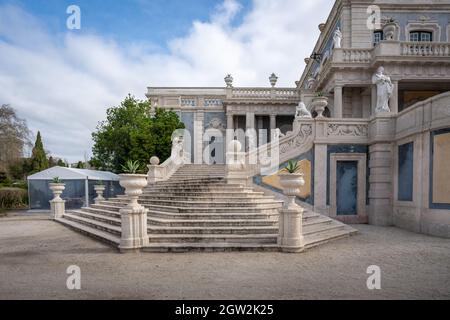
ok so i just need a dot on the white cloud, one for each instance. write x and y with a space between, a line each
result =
62 84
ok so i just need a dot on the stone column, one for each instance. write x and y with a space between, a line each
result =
393 101
230 122
273 121
373 100
320 178
250 120
381 170
338 102
198 137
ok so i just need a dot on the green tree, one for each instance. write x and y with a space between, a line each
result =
80 165
129 133
61 163
39 159
14 137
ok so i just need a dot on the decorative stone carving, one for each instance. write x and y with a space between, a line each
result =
355 130
318 104
273 79
303 133
99 189
302 112
229 81
384 90
390 30
337 38
216 123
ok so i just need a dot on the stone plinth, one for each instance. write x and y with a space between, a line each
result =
57 208
290 238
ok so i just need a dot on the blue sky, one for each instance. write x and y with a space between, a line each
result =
128 21
62 81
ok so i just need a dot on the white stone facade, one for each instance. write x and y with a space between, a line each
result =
356 127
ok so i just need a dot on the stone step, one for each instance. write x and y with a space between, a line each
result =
105 218
107 207
261 203
208 238
103 212
219 197
313 240
209 222
95 233
262 208
208 247
105 227
247 230
208 216
178 190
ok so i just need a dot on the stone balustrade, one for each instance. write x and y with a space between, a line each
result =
431 49
357 55
265 93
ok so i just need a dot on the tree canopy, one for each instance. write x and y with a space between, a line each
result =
129 133
39 159
14 136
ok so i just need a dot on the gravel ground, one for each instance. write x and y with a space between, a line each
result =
35 253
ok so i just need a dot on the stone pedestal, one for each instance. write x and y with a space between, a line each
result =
381 133
290 238
57 208
134 216
134 229
235 160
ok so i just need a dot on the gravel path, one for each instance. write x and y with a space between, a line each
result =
35 253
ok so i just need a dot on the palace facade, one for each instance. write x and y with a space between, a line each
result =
377 86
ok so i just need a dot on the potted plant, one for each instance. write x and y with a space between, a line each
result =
132 182
291 180
57 187
99 188
320 101
390 29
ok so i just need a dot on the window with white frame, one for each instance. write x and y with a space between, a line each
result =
420 36
377 37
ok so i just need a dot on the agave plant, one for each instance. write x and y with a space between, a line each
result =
292 166
131 166
56 180
320 94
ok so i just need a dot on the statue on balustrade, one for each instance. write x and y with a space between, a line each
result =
302 112
384 90
337 38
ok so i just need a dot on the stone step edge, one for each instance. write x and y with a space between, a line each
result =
103 236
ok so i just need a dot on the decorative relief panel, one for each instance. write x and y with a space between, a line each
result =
304 132
352 130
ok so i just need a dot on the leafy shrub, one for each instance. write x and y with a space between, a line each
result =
13 198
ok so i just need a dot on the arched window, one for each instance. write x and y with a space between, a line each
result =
417 36
377 36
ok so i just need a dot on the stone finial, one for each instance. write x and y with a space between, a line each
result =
229 81
154 161
322 27
273 79
307 60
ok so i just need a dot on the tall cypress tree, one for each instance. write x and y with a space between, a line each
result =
39 160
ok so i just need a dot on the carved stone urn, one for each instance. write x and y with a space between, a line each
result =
57 205
390 30
319 103
57 189
291 182
99 189
133 184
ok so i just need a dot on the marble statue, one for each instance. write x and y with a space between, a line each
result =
384 90
302 112
337 38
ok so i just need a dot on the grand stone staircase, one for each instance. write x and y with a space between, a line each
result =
197 210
